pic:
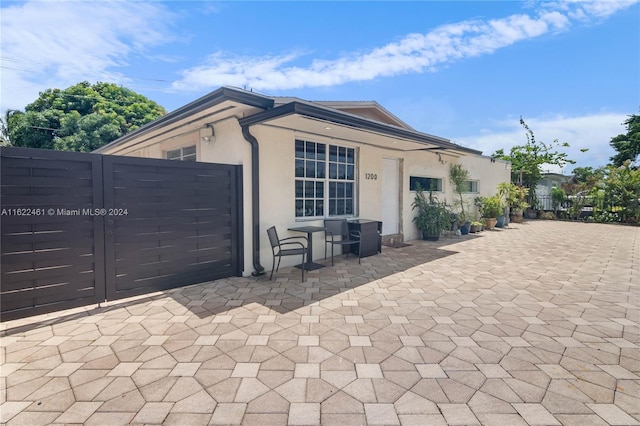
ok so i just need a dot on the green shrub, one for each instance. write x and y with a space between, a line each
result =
490 207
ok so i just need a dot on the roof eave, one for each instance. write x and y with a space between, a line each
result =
207 101
339 117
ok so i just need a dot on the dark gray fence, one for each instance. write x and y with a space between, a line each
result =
79 228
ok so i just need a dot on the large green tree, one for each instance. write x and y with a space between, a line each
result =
81 118
627 145
527 160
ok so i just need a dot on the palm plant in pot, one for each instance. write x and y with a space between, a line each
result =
432 216
490 208
505 194
459 179
514 199
518 203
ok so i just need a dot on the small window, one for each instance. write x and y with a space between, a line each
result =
426 184
471 186
187 153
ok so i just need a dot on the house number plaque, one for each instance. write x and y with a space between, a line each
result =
371 176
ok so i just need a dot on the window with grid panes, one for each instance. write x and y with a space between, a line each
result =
187 153
325 180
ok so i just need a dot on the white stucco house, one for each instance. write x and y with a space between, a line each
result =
547 183
305 161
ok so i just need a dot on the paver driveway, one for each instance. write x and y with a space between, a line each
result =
535 325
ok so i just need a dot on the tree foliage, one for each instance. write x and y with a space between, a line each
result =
4 127
622 189
82 118
588 176
527 160
627 145
612 191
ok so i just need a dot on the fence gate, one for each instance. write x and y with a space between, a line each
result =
169 224
77 228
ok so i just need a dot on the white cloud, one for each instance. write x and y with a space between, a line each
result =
592 131
414 53
58 43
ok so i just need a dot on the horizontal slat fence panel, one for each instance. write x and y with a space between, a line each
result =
182 224
80 228
50 260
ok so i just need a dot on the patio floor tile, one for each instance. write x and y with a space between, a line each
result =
381 414
458 414
369 371
304 414
125 369
303 370
359 341
427 334
612 414
185 369
10 409
431 371
536 414
246 369
228 414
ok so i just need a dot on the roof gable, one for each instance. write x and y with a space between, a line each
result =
367 109
371 110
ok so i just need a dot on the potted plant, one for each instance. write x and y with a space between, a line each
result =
432 216
505 193
490 208
459 178
514 199
476 227
519 203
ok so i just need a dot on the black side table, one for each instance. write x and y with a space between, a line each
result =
310 230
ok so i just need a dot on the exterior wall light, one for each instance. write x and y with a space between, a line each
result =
207 134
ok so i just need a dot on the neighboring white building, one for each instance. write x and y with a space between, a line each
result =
305 161
543 189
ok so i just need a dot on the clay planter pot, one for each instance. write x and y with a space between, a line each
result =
490 222
517 216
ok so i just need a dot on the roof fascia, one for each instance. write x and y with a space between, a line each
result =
209 100
351 120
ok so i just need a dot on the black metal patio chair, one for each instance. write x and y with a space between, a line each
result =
337 233
278 250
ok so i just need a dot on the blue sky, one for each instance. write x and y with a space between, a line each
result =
462 70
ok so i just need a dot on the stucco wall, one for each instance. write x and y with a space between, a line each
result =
489 173
277 176
229 147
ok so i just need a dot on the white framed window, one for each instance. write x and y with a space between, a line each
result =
325 184
186 153
471 186
426 183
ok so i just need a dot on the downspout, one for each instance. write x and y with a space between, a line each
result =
255 200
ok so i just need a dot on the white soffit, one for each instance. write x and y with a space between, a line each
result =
217 113
329 129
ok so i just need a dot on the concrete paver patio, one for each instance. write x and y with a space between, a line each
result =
533 325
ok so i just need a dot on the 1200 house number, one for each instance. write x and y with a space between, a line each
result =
370 176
